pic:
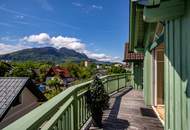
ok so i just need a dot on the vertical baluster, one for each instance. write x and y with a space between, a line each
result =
63 121
55 127
69 118
83 110
81 114
107 84
72 119
79 111
75 109
86 116
66 118
118 83
59 124
125 80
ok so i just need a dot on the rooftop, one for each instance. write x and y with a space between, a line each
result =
10 87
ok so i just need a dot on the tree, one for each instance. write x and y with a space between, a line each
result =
73 68
85 73
22 72
4 69
54 82
116 69
43 70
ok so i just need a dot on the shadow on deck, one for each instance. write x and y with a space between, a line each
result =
127 111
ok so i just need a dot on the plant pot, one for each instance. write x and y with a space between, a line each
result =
97 119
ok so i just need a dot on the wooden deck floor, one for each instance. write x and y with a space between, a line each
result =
128 112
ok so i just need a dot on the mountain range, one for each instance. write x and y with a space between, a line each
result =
46 54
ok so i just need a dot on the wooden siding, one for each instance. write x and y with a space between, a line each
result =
138 75
177 72
148 78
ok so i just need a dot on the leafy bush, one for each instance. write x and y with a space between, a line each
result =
116 69
51 93
55 82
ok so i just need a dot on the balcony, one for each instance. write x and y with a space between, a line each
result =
68 110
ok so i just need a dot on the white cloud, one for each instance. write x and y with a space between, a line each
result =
19 16
45 5
98 56
58 42
7 48
41 38
97 7
76 4
67 42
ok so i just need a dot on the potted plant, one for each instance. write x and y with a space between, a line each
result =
97 101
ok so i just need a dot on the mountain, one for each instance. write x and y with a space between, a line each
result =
45 54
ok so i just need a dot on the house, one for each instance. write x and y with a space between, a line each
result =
18 96
63 73
87 63
160 30
134 61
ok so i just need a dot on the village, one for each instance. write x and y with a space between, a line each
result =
31 86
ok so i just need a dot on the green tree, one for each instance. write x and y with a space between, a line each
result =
43 70
73 68
116 69
54 82
85 73
21 72
4 69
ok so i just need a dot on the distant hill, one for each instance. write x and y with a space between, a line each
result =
45 54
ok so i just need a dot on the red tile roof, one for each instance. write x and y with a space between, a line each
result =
132 56
63 72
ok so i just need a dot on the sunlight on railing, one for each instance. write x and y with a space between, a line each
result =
68 110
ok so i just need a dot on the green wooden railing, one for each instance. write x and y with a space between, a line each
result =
68 110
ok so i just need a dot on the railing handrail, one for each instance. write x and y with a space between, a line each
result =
46 110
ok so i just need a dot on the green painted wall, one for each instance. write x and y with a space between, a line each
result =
177 72
138 75
148 67
147 78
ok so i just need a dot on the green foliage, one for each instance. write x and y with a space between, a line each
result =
51 93
73 68
55 82
25 69
79 71
97 101
31 64
116 69
4 69
21 72
43 70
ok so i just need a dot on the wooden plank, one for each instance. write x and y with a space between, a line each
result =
128 111
177 73
166 77
171 85
57 115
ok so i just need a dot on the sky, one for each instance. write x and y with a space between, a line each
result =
98 28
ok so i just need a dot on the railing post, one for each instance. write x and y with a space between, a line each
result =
118 83
107 83
75 112
125 79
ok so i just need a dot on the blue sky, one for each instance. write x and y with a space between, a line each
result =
98 28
